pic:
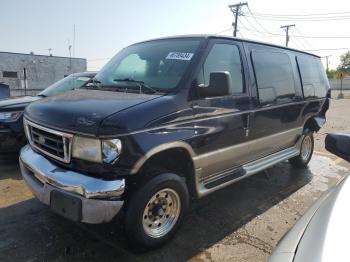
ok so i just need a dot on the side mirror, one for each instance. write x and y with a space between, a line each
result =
339 144
219 85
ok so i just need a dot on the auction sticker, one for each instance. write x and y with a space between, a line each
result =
179 56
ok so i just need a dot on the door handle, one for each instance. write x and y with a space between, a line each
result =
246 124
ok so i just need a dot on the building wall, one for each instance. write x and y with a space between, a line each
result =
41 71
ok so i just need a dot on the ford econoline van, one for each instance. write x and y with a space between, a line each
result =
171 120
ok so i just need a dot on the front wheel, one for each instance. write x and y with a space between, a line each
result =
156 210
306 150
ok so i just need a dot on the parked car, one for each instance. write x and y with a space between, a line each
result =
12 136
321 233
170 120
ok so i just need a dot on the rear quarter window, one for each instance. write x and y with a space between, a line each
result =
313 77
274 76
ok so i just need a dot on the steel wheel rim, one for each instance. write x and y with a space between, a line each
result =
161 213
306 148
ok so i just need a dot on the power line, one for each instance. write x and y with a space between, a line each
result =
298 43
235 9
329 49
253 32
302 36
254 28
223 31
307 43
240 34
257 20
301 19
264 33
300 15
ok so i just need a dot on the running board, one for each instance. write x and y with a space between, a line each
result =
229 177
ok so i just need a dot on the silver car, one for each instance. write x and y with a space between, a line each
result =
322 233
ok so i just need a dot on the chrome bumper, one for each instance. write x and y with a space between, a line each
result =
99 197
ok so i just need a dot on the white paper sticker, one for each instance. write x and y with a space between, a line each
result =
179 56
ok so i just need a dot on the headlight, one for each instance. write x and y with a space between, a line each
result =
87 149
94 150
10 116
111 150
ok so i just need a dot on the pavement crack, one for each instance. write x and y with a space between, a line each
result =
245 237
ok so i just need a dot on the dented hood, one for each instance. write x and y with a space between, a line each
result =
82 111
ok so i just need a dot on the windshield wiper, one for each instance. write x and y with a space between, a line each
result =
92 84
41 95
139 83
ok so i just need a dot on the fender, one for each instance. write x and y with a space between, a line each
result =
316 122
160 148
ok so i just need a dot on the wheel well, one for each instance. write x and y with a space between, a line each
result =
177 160
311 125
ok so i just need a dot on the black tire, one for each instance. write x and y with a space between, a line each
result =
301 161
136 205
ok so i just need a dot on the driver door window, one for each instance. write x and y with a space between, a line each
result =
224 57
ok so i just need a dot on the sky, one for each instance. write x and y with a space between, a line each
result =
104 27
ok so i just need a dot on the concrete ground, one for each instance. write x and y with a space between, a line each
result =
242 222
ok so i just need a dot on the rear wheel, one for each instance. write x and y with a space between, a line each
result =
306 150
155 210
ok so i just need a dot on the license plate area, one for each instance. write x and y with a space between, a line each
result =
66 205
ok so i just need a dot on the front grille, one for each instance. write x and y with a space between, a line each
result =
50 142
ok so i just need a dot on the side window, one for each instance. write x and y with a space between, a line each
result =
312 76
274 77
224 57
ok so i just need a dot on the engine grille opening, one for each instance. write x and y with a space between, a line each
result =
50 142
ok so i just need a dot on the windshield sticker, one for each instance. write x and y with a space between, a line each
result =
179 56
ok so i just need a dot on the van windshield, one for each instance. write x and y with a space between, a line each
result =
157 65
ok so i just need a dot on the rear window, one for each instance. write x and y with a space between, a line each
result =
313 77
274 77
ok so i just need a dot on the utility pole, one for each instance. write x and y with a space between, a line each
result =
327 63
286 27
235 9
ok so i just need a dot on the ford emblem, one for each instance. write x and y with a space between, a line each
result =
42 140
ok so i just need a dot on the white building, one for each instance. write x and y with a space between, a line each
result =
29 73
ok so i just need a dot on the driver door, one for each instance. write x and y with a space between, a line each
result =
223 121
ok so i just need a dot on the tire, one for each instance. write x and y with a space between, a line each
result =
155 210
306 150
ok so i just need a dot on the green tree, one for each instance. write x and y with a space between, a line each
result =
332 74
345 62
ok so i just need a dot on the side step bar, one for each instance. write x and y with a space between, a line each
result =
229 177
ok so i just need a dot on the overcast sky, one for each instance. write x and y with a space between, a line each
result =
104 27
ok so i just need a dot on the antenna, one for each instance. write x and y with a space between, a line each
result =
70 55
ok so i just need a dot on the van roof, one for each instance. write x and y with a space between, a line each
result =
231 38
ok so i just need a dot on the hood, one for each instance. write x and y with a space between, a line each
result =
82 111
326 236
17 103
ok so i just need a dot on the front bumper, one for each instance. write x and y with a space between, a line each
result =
100 199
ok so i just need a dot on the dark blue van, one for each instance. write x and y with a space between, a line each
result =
169 120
